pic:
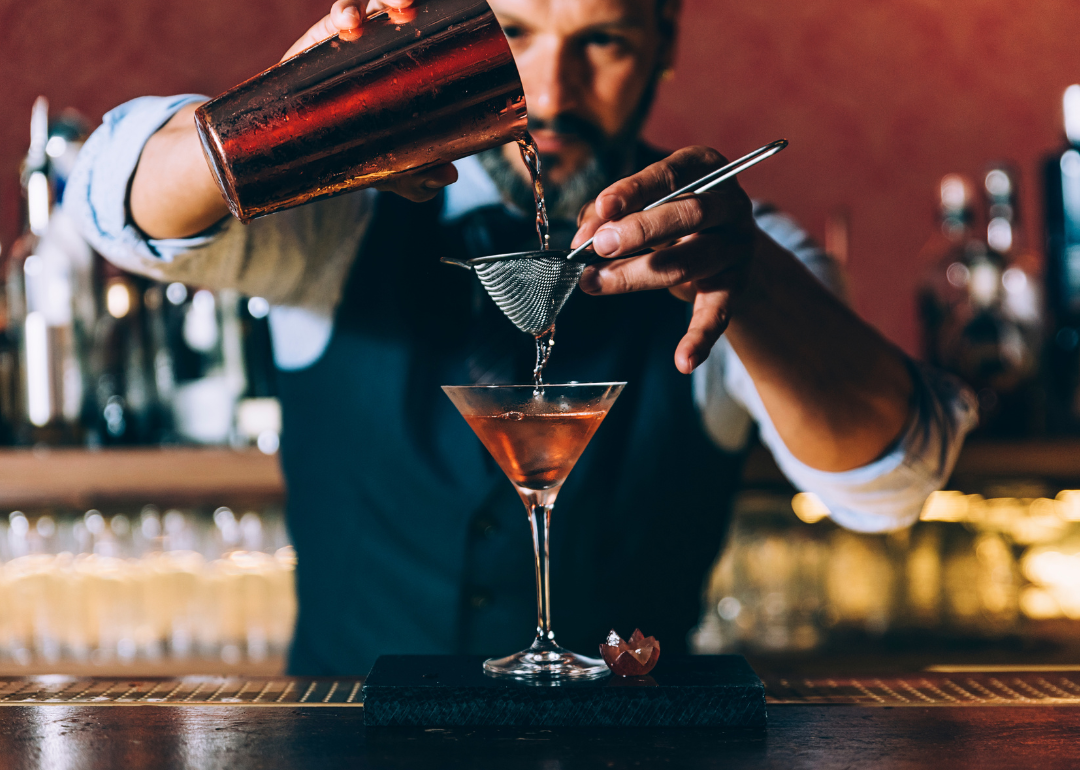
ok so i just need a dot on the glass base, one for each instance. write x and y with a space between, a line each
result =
546 664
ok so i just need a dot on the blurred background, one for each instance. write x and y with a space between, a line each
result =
140 501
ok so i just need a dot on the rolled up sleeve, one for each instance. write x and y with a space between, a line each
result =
297 258
884 495
888 493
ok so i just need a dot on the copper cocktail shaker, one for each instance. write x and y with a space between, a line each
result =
417 89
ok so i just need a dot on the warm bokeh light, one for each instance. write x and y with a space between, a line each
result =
118 299
809 507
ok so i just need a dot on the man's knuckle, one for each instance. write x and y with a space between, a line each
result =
711 156
676 273
669 177
583 214
634 233
691 214
629 189
619 281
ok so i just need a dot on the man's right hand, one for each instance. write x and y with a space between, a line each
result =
173 194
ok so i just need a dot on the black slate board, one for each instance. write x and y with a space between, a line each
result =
453 691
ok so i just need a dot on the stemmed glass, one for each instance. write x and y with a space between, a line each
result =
536 436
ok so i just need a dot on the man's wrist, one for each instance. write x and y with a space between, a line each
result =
750 290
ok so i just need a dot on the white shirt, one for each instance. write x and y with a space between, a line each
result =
299 260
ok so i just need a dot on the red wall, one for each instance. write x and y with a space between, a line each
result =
879 99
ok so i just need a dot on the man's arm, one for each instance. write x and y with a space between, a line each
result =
838 393
173 194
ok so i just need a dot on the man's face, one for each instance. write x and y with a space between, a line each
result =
586 65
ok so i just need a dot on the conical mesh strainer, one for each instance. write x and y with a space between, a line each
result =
531 287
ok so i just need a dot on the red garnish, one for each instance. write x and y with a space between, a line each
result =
634 658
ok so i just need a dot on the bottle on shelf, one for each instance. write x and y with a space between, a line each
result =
980 312
42 275
1061 175
1020 313
124 405
258 414
203 335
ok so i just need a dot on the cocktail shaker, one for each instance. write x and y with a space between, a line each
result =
416 89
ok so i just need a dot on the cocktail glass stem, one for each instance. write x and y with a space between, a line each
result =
540 519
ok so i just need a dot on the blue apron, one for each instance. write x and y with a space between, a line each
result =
411 540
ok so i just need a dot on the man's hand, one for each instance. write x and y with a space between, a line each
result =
346 20
699 247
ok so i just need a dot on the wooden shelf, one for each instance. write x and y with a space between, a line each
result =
77 477
1054 461
80 478
1057 459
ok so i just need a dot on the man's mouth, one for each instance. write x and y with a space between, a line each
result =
551 142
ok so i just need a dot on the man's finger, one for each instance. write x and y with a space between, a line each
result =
588 222
701 256
399 11
710 319
422 186
344 18
654 182
677 219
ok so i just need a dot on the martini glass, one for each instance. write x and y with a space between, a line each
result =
536 436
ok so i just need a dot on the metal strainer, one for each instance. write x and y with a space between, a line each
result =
531 287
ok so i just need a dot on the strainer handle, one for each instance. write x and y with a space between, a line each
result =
709 181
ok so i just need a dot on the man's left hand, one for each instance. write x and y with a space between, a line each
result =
699 246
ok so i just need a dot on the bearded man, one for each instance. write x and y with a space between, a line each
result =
409 539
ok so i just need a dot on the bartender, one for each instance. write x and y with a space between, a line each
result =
409 539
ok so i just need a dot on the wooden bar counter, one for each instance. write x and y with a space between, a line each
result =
939 719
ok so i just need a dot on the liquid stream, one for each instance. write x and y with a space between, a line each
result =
536 451
544 343
531 155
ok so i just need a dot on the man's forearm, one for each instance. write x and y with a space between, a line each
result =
838 393
173 194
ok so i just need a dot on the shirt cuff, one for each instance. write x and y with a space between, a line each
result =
889 492
96 196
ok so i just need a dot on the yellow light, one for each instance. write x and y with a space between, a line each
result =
949 506
1069 507
1039 604
118 299
809 508
1041 524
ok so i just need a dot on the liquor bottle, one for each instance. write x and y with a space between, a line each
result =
204 342
1019 313
972 324
123 407
258 415
944 285
40 293
1061 174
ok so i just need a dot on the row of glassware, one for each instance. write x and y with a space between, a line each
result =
185 584
972 568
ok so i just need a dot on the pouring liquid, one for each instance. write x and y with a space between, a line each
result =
531 155
545 340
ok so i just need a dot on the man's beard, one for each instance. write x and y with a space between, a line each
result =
609 161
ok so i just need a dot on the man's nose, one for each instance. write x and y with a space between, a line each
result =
552 82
